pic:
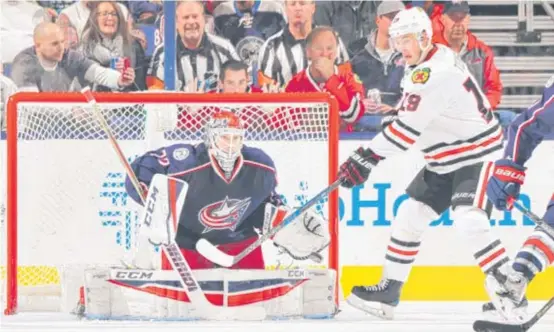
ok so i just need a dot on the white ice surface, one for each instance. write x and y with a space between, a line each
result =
410 316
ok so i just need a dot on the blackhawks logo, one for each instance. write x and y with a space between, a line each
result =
421 75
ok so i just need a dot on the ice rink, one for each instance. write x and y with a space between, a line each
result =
410 316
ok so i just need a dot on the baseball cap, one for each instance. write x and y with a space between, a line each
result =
387 7
455 6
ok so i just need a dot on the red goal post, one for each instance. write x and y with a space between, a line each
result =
55 150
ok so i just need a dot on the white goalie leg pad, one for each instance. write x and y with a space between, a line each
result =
120 294
156 222
141 294
305 236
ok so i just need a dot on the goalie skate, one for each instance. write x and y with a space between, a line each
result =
377 300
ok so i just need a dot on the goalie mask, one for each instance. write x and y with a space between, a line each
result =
224 137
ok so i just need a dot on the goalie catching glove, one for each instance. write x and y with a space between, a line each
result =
303 238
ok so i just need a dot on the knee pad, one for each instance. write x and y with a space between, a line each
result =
470 219
486 247
412 219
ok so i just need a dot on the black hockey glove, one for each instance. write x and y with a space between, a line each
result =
356 169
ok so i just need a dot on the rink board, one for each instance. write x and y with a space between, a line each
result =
444 269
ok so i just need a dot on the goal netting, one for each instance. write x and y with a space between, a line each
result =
66 205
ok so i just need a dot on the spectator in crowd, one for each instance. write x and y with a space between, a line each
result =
378 65
234 78
209 8
352 20
323 75
247 24
199 54
106 37
48 66
73 18
478 56
7 88
145 12
283 55
17 22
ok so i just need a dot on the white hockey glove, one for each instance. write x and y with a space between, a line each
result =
302 239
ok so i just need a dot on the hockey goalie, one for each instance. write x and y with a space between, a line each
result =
212 200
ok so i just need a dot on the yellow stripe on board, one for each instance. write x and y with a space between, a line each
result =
443 283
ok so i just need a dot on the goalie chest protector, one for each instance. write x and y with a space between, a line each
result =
218 209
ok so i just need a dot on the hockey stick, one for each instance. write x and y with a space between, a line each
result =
174 254
290 218
536 219
487 326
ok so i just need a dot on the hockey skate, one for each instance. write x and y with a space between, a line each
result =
507 291
377 300
490 313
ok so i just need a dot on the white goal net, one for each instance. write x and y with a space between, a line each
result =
66 202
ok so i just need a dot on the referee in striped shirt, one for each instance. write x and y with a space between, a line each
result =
283 55
199 54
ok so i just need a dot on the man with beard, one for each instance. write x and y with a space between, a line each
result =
478 57
199 54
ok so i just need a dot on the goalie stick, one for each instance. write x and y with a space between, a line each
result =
488 326
229 261
178 262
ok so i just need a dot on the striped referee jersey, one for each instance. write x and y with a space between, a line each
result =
282 56
202 63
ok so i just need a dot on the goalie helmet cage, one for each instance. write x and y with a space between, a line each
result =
60 170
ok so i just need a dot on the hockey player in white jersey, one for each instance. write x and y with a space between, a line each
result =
446 116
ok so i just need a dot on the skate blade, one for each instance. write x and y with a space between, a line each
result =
384 312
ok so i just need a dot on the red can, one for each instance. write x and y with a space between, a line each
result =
126 62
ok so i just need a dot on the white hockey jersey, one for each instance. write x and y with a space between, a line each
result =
443 113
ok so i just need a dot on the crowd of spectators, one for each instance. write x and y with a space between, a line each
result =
340 47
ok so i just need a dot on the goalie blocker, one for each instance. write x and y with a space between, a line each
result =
143 294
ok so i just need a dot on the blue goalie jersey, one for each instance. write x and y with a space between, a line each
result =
215 208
